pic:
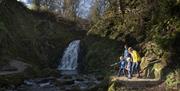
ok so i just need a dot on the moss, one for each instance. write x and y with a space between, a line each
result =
112 87
172 79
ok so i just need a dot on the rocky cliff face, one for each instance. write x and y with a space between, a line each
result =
33 36
154 61
148 28
152 27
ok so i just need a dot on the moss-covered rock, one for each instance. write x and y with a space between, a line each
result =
153 61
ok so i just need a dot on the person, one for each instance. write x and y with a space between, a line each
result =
135 68
128 67
122 66
126 52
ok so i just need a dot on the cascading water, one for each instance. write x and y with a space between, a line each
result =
70 57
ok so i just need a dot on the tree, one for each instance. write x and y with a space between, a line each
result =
36 4
97 10
70 8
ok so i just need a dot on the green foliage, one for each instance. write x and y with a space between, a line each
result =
101 53
172 79
164 42
164 33
145 21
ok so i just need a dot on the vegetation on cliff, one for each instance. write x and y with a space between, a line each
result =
151 27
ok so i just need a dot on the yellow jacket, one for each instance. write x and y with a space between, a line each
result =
135 56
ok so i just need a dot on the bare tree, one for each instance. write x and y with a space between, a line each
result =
70 8
36 4
97 10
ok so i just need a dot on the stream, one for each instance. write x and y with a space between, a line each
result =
70 79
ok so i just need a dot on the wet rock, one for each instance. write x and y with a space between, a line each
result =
80 78
65 81
76 83
29 82
44 80
45 84
66 77
40 82
73 88
100 78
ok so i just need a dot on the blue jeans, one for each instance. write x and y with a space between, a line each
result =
129 69
129 74
121 71
135 67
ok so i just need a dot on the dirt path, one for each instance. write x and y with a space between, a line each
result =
113 78
21 66
136 82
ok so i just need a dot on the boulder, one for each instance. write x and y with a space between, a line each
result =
153 61
158 70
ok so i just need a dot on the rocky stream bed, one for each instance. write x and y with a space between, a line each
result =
63 83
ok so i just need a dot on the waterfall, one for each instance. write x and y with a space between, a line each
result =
68 62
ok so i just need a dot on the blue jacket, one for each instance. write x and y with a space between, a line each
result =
122 64
126 53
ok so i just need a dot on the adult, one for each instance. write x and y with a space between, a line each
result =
136 61
128 59
126 52
128 67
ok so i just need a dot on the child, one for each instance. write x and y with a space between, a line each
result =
128 67
122 66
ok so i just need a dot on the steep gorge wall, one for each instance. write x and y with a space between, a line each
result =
151 27
33 37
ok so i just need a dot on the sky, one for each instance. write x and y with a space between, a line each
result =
84 6
25 1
